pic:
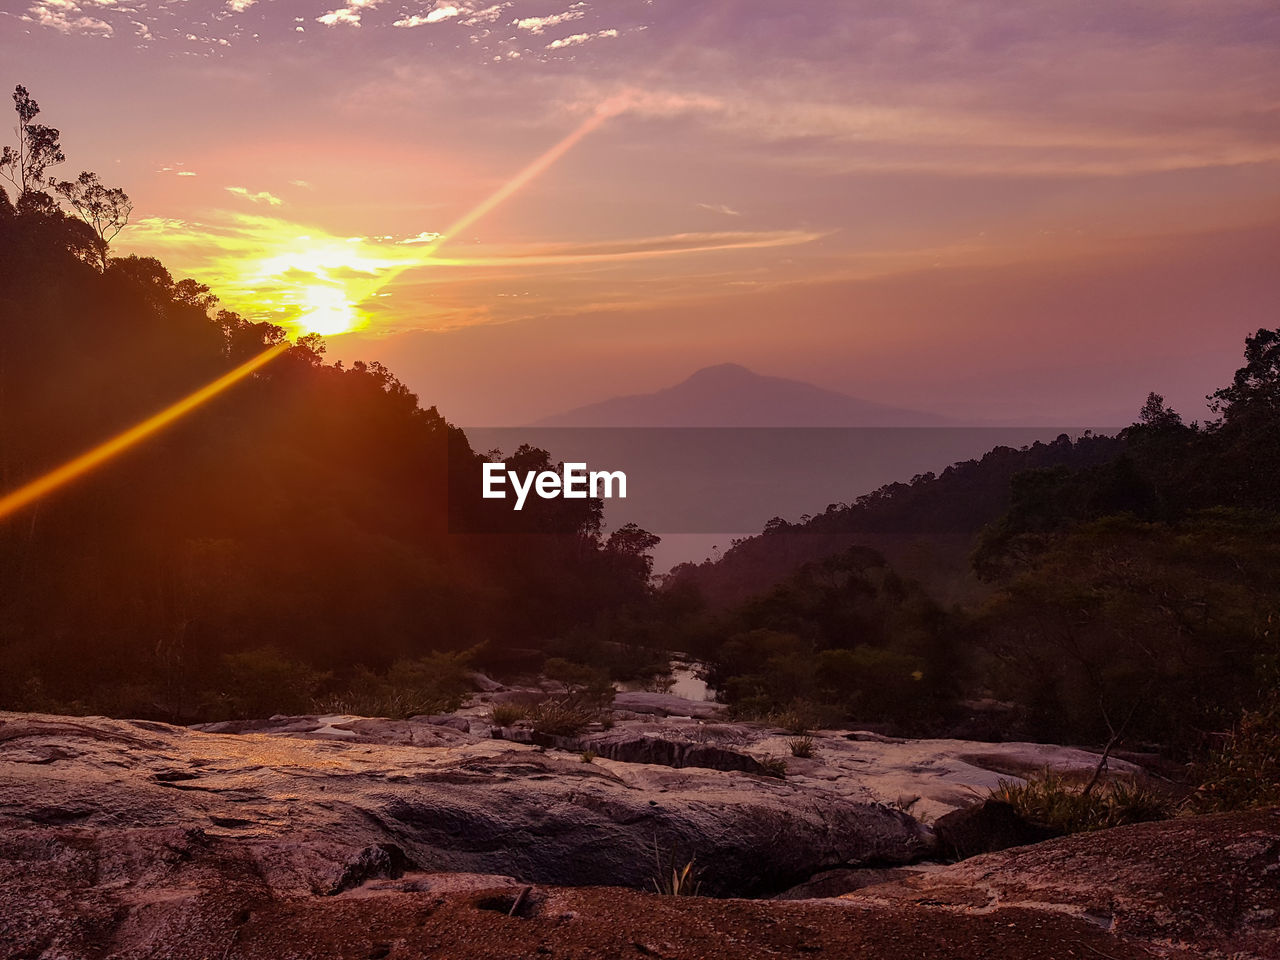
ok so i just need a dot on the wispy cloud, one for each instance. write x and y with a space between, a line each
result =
721 208
348 15
268 267
443 10
486 15
67 16
262 196
537 25
677 244
579 38
424 237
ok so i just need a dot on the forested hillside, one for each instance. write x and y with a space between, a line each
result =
925 525
299 521
1129 586
297 541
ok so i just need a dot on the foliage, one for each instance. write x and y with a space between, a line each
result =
1129 585
942 512
841 638
629 643
802 747
1050 800
568 714
432 684
578 677
105 209
799 717
773 767
1162 622
38 148
1245 771
507 714
561 716
309 509
262 683
1255 388
672 880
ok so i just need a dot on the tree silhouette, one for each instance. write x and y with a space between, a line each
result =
38 147
1154 413
1255 386
105 209
308 510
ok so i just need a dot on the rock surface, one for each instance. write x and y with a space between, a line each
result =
928 778
450 801
1209 886
354 838
984 828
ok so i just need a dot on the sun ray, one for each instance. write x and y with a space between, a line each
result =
328 305
121 442
507 190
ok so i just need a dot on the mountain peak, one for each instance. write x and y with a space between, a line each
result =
722 372
730 395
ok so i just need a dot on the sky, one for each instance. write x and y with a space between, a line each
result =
1034 211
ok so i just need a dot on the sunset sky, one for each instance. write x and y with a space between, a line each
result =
1029 211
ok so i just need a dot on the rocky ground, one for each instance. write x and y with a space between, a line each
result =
348 837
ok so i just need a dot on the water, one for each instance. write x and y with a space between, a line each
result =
687 682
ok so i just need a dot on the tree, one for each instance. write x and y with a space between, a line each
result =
1256 385
38 147
105 209
1154 413
632 546
1161 627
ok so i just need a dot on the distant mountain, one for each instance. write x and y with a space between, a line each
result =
729 395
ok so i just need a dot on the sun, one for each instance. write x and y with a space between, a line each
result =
313 282
327 311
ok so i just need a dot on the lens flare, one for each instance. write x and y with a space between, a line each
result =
87 461
323 306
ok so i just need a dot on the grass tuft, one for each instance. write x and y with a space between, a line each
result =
773 767
507 714
672 880
1049 799
802 747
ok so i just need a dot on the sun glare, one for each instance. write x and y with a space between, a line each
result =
308 283
315 282
327 311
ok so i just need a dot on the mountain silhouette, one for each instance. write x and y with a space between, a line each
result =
730 395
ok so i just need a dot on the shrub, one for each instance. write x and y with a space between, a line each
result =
773 767
562 716
588 755
802 747
587 698
1246 771
435 683
259 683
507 714
672 880
874 683
758 708
576 676
1049 800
